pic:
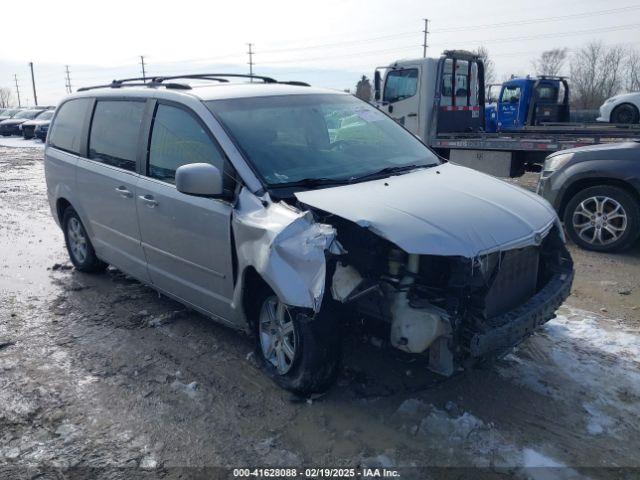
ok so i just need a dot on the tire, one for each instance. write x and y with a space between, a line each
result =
625 113
79 246
312 364
613 209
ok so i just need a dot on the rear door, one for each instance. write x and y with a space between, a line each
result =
186 239
401 97
106 183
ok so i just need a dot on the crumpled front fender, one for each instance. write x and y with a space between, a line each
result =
285 246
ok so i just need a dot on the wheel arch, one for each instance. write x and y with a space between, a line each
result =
588 182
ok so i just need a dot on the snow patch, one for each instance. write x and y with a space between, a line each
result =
19 142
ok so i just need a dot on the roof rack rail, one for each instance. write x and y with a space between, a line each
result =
161 81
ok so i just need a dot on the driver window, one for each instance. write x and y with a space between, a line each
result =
510 95
400 84
178 139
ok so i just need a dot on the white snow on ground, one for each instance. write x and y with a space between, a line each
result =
487 445
583 355
19 142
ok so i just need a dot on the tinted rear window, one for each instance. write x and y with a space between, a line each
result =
114 132
66 132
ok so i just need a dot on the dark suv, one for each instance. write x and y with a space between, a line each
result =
596 191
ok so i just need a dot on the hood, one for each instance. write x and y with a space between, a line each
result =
35 122
14 121
603 150
444 210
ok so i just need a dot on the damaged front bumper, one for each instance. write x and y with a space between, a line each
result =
515 326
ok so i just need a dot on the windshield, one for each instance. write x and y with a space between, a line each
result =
28 114
10 113
318 137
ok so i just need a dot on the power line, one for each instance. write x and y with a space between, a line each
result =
455 29
516 23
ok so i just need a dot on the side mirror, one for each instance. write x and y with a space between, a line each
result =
201 179
376 84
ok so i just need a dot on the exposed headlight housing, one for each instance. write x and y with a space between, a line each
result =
551 164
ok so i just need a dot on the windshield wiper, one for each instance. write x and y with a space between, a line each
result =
311 182
386 170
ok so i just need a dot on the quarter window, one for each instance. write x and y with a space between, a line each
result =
400 84
178 139
66 131
114 132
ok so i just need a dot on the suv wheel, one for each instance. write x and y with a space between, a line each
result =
81 252
625 113
301 354
603 219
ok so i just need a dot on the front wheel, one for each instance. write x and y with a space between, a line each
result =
603 219
80 249
301 354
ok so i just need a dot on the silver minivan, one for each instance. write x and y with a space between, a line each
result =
293 213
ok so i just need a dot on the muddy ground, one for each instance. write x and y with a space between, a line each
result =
102 377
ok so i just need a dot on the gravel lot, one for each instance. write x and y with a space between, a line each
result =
101 374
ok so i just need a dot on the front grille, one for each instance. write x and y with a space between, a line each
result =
515 281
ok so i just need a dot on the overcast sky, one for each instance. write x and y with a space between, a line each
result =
328 43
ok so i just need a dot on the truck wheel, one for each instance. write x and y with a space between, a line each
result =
625 113
300 354
81 252
603 219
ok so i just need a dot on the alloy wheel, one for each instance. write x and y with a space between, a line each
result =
77 239
277 335
599 220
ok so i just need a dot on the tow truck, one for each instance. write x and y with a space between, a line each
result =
442 101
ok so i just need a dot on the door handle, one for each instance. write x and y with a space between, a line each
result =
123 191
412 115
148 200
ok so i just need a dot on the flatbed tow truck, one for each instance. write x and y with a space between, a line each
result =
447 111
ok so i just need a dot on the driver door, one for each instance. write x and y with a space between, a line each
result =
186 239
401 98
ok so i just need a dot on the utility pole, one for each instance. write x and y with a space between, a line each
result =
33 82
68 79
250 52
15 77
144 73
426 32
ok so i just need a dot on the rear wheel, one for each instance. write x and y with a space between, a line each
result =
625 113
300 353
603 219
80 249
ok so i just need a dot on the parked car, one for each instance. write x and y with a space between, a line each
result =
40 132
11 126
596 190
623 108
286 210
9 113
28 128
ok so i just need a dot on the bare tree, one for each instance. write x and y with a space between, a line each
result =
632 74
596 74
550 62
363 89
6 97
489 66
